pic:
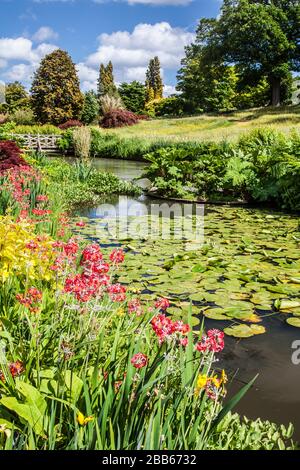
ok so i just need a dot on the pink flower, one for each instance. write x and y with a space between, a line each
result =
212 342
42 198
139 360
162 304
71 247
184 342
165 328
80 224
117 256
117 292
134 306
92 253
41 212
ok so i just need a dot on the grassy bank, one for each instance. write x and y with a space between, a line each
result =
213 127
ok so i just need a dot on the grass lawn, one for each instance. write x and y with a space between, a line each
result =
215 127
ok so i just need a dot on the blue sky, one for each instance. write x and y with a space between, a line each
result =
128 32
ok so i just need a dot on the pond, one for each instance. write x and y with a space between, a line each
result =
240 268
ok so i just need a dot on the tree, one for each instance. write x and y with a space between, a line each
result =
106 82
133 96
262 37
16 97
204 86
154 83
90 108
56 96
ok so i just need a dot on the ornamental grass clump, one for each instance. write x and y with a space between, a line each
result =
82 143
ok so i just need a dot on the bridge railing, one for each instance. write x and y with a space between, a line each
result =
39 141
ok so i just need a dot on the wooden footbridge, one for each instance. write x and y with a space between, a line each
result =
39 142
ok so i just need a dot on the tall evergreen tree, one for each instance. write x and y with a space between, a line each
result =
154 82
55 91
106 81
91 107
133 96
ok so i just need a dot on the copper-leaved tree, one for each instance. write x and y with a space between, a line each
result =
56 95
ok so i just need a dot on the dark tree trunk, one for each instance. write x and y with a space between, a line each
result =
275 85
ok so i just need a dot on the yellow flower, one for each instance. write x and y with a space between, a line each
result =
201 381
82 420
120 312
224 377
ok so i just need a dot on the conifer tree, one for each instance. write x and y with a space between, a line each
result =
154 83
106 82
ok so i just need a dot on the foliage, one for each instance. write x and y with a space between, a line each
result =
263 167
133 96
265 46
171 106
109 103
88 364
78 184
82 143
46 129
22 117
16 97
106 82
10 155
112 146
70 124
55 92
21 262
118 118
236 433
90 110
154 84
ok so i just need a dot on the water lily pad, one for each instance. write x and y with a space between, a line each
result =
287 304
244 331
294 322
215 314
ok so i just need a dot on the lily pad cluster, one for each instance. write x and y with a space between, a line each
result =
245 269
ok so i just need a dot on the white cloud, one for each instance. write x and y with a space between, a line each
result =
20 73
21 50
3 63
44 34
130 52
170 90
88 77
15 49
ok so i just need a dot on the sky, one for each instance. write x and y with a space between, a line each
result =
127 32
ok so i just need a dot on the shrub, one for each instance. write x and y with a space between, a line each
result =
70 124
118 118
22 117
82 142
46 129
109 103
10 155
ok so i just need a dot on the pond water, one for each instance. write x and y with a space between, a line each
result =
124 169
239 266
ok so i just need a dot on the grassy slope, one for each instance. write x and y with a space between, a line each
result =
215 127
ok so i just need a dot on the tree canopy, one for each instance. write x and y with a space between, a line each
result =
260 37
133 96
56 96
